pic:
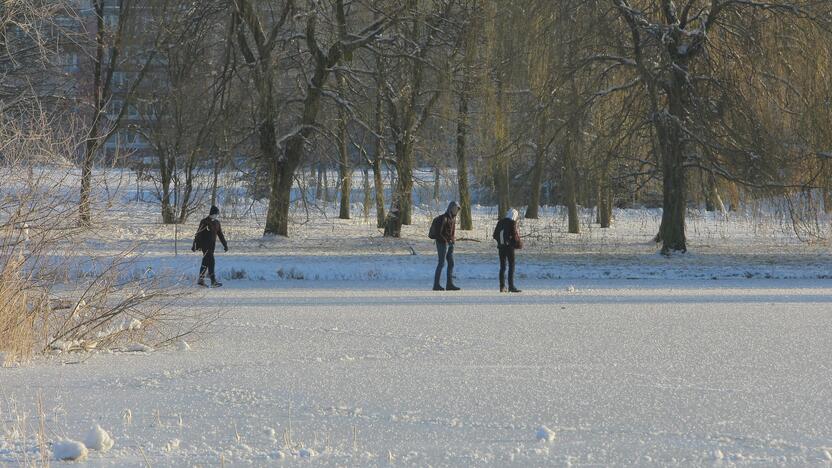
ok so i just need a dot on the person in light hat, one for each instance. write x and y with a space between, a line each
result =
508 240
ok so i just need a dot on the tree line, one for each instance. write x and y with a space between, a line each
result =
594 103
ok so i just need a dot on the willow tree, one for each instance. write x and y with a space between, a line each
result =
684 55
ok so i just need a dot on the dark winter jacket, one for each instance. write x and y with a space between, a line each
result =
507 235
214 229
447 235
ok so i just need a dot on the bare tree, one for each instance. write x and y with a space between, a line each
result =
411 71
181 115
317 64
107 57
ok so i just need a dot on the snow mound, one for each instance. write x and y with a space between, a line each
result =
98 439
183 346
545 434
135 324
69 450
571 288
307 453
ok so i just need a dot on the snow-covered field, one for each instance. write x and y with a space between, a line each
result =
330 349
623 372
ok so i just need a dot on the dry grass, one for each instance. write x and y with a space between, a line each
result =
18 312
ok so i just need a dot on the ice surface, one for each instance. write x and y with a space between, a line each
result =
625 372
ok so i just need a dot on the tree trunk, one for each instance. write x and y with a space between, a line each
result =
501 137
165 177
344 167
167 206
674 193
319 185
367 195
84 209
92 142
713 193
501 182
570 191
403 199
378 180
466 220
710 206
325 197
215 180
187 190
437 184
277 216
532 210
605 203
672 229
734 196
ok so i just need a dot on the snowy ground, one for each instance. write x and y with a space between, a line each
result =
623 372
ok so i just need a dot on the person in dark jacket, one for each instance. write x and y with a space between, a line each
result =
206 241
445 248
508 239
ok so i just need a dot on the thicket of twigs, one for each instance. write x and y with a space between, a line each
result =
54 295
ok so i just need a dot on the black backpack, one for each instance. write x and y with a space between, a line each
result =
436 227
201 239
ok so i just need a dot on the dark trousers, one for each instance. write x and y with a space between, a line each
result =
506 257
444 251
207 265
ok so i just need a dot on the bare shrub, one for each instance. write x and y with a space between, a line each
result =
55 295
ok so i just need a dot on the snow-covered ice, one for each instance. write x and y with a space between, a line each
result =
626 372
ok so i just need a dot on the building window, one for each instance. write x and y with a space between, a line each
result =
68 62
119 80
114 108
111 21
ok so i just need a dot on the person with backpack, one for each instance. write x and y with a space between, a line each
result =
443 231
206 241
508 239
